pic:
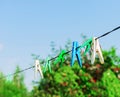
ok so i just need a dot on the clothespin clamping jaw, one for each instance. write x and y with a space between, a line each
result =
76 52
60 58
96 49
38 68
47 65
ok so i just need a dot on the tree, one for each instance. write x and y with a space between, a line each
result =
88 81
14 87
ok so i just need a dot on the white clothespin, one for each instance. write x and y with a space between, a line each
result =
96 49
38 68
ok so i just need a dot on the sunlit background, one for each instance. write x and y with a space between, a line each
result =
28 27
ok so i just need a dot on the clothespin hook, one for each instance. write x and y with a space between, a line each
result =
87 44
60 58
38 68
76 52
47 65
96 48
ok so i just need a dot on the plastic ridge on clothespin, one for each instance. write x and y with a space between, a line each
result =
38 68
87 44
76 52
96 49
47 65
60 58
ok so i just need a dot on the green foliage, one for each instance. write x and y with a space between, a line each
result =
98 80
59 84
13 88
111 83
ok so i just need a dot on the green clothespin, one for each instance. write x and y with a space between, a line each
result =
60 58
47 66
87 44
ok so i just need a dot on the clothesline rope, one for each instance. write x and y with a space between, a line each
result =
18 72
58 55
96 38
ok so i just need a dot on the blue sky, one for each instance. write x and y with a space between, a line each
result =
29 26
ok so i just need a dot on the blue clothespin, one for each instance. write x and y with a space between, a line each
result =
47 66
76 51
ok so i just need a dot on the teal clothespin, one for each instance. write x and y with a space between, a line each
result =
76 52
47 66
87 44
60 58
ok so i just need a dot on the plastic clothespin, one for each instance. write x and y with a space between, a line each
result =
76 51
38 68
60 58
87 44
96 49
47 65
